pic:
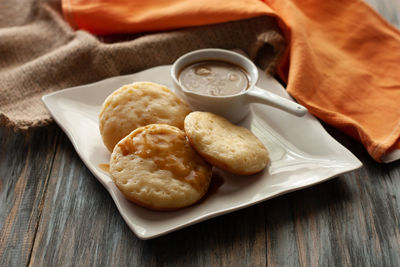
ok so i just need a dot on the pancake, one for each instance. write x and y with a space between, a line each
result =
156 167
225 145
136 105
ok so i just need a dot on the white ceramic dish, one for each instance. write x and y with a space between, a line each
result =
302 153
233 107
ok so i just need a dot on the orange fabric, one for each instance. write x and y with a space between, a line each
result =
126 16
343 61
345 67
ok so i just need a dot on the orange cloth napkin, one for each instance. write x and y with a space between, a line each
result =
342 63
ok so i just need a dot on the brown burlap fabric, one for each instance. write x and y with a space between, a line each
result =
40 53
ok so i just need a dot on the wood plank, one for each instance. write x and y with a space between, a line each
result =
79 218
351 220
80 225
25 162
334 223
282 249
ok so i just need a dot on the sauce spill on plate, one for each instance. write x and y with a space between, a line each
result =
105 167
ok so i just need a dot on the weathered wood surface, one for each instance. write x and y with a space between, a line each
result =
55 213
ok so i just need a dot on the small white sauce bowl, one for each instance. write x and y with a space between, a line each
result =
233 107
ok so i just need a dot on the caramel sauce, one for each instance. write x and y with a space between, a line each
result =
105 167
214 77
169 151
127 146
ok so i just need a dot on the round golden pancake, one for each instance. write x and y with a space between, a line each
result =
136 105
156 167
225 145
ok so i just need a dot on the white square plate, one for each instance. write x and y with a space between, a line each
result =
302 153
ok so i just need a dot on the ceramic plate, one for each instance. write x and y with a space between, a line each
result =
302 153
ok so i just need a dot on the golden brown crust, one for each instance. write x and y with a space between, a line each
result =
220 164
139 104
225 145
155 167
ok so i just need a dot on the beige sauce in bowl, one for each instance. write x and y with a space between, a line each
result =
213 77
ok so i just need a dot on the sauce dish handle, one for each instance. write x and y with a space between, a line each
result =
258 95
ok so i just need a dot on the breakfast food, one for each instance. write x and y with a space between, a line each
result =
155 167
225 145
136 105
213 77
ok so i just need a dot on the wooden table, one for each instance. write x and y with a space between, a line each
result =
54 213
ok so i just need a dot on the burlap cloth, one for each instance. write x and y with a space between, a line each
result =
40 53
